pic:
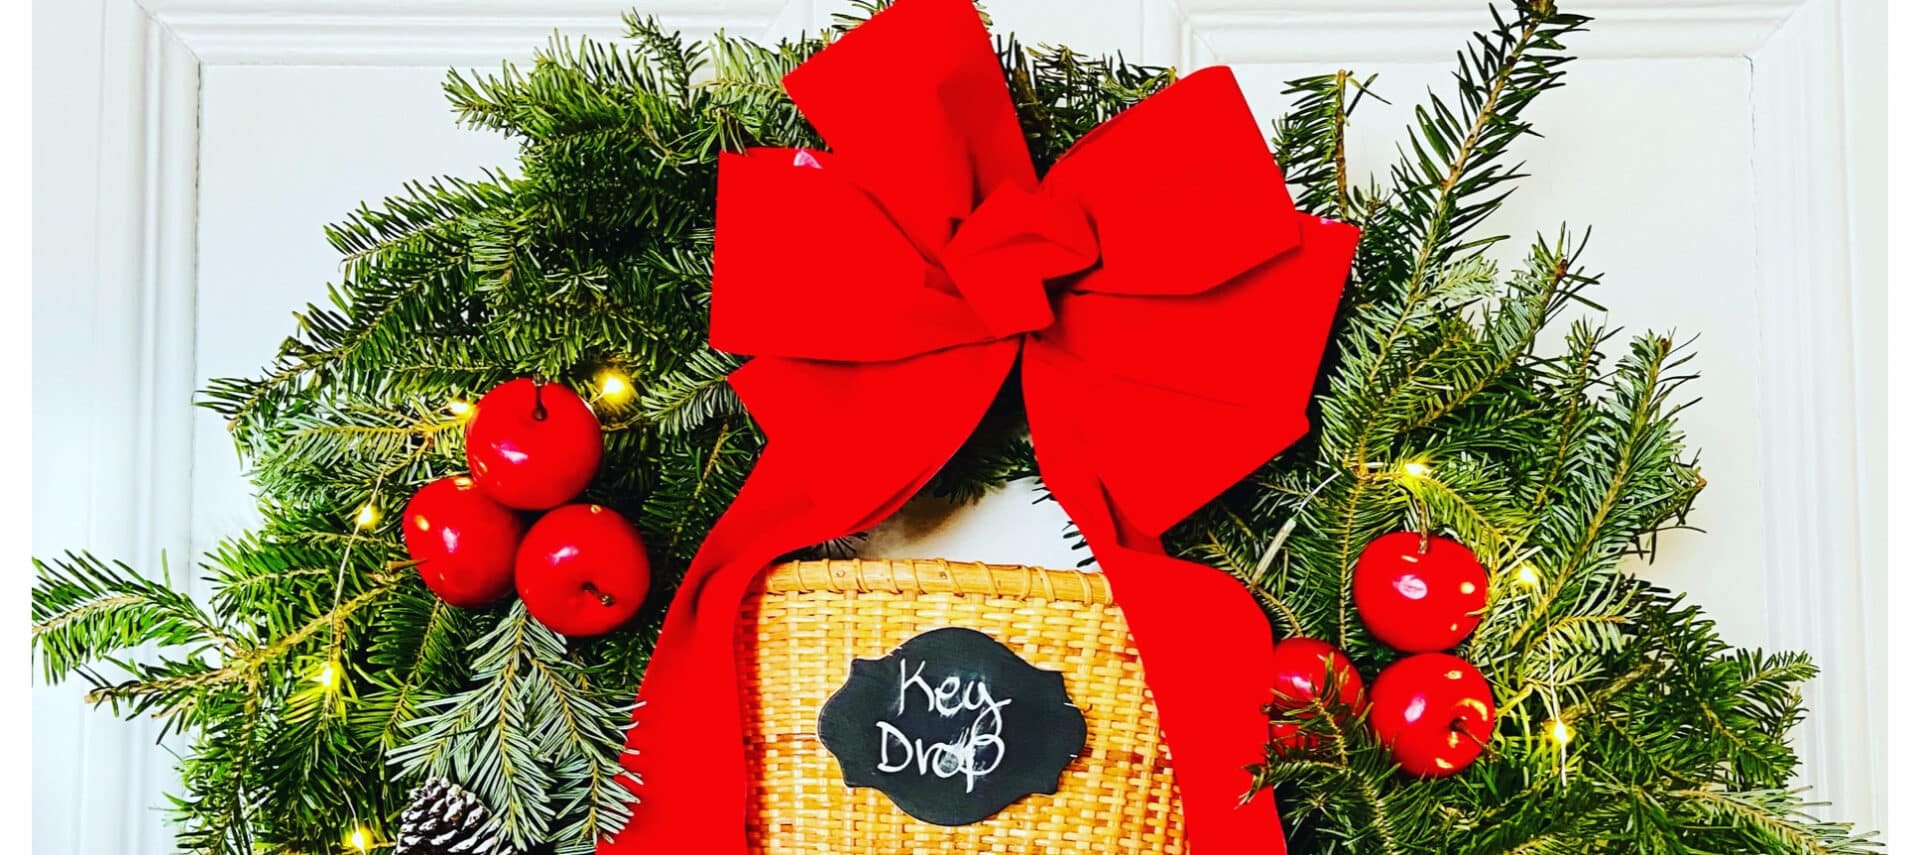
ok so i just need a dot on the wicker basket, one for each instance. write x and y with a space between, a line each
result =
809 620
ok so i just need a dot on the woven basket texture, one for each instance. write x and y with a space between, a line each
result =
809 620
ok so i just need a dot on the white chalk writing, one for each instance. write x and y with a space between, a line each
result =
974 754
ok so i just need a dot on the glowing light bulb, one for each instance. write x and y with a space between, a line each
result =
366 516
615 388
459 408
1526 575
1561 733
328 678
359 840
1415 469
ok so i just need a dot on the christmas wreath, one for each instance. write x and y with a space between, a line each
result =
487 466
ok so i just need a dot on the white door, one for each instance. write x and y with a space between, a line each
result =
188 151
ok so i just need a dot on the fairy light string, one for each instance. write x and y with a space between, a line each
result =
1557 729
365 518
613 389
1525 574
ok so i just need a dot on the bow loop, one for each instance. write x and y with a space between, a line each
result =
1229 397
1181 189
785 284
927 115
1002 256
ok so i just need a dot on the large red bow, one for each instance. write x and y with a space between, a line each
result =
1171 306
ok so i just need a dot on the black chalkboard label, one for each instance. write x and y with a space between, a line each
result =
953 727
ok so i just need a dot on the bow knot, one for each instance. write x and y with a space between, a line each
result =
1003 255
1185 303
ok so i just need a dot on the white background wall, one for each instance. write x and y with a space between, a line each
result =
1728 155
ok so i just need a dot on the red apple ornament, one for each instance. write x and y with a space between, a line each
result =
1419 593
464 541
582 570
1301 667
533 445
1434 712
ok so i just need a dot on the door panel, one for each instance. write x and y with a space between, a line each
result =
232 130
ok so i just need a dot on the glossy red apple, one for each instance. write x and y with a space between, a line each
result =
582 570
1419 593
1434 712
464 541
1301 667
533 445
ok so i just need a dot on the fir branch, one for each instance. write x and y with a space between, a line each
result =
587 746
1496 81
412 656
693 394
85 611
1776 821
540 751
1310 141
219 776
176 689
482 735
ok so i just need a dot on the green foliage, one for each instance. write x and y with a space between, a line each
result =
531 735
693 395
1310 142
321 679
240 677
1443 413
85 612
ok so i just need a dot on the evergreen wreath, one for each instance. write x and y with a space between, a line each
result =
322 680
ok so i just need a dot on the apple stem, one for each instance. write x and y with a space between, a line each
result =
1459 726
539 407
605 599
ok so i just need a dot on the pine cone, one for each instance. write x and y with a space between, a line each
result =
442 818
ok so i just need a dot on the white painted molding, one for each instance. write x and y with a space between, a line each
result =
133 342
482 32
167 281
1327 31
168 381
440 33
1819 571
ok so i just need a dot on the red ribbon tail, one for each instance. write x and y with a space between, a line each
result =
687 736
1202 641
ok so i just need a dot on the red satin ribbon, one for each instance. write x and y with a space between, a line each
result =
1167 307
